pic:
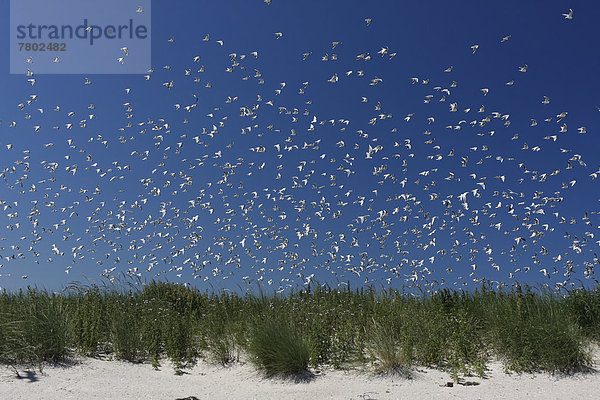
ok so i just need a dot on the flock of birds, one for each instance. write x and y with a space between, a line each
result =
258 188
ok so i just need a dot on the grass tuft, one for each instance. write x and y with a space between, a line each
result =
278 350
390 356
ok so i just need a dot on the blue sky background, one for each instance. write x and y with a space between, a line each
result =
507 230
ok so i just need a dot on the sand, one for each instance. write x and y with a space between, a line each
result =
90 378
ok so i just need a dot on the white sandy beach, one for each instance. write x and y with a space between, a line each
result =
101 379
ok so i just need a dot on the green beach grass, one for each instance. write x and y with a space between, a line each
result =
284 335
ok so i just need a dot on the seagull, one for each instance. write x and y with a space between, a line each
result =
569 15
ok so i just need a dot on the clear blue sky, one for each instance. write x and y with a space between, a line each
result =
293 212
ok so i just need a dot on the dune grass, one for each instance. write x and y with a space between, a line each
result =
391 332
34 328
391 355
278 350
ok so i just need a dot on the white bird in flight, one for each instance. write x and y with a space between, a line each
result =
569 15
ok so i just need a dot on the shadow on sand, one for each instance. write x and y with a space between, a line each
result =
31 376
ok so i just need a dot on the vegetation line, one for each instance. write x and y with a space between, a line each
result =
387 331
